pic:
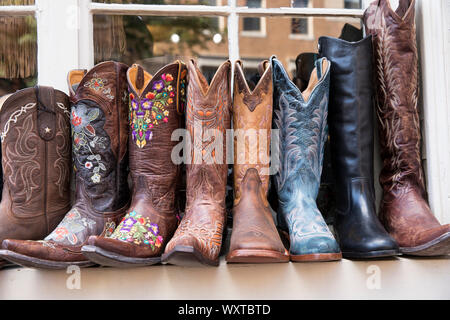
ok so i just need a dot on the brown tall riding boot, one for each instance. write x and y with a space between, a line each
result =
198 239
100 156
404 212
35 136
156 108
255 238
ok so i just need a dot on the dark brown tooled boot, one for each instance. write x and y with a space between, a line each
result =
100 155
405 211
198 239
35 136
156 108
255 238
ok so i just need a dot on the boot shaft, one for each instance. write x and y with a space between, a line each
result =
208 117
396 61
252 124
351 107
100 135
157 104
302 121
36 149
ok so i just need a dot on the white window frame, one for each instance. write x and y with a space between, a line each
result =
262 32
65 42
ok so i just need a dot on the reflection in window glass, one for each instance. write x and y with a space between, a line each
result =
171 2
299 25
339 4
18 52
252 24
352 4
156 41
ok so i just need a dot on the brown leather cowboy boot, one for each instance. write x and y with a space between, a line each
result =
100 156
198 239
156 108
35 136
255 238
404 212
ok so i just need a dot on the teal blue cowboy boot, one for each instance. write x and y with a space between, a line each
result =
301 118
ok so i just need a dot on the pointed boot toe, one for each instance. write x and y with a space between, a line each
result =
109 252
42 254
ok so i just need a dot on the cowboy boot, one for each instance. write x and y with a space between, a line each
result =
404 210
156 106
255 238
36 148
198 239
351 123
301 118
100 156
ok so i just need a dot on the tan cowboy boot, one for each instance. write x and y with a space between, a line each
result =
198 239
255 238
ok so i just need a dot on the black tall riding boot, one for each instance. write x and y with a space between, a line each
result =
351 123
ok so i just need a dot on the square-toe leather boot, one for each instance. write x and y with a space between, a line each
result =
100 156
404 209
156 109
255 238
198 239
359 231
301 118
36 161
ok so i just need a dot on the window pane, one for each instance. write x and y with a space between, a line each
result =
349 4
156 41
280 40
18 53
171 2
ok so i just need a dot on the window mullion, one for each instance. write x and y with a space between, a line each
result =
57 37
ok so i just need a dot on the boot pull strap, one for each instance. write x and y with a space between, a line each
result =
140 78
46 115
180 108
319 64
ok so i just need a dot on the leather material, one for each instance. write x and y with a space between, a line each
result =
351 122
99 117
253 224
208 108
155 101
35 135
301 118
404 210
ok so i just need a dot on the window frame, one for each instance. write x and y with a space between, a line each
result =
65 42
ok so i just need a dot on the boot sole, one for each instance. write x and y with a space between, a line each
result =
186 256
437 247
30 262
110 259
371 254
317 257
256 257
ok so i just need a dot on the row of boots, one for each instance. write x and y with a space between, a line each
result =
122 122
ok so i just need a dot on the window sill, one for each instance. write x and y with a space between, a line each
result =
400 278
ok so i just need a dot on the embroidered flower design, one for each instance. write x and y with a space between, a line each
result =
98 84
149 112
71 229
86 140
138 230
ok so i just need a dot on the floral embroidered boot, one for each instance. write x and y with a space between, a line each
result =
100 158
156 107
35 141
198 239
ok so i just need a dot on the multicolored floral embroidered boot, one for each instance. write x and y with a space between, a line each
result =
100 156
35 138
156 107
